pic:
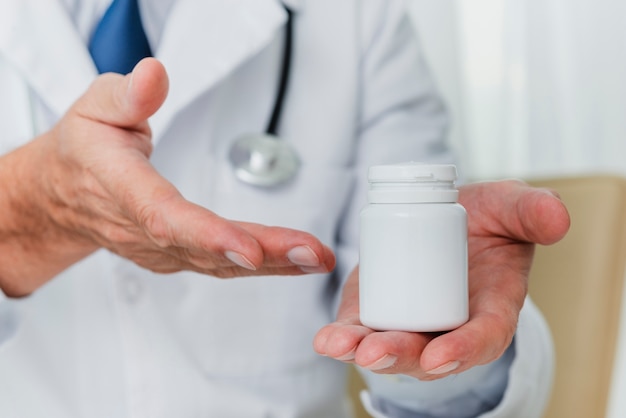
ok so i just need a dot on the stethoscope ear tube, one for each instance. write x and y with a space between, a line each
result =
263 159
272 127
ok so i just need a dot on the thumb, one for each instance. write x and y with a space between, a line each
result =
513 209
126 101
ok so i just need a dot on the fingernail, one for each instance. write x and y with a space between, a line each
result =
240 260
318 269
349 356
445 368
303 256
384 362
553 193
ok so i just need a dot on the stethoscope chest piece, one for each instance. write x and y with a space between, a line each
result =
263 160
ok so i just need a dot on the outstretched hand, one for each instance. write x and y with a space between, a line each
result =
88 183
505 219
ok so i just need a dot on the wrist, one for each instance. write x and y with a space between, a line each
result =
33 246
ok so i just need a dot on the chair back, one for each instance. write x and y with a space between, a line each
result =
577 284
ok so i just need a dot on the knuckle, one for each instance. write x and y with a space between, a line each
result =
151 219
507 326
117 235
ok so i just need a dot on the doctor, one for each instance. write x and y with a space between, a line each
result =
98 204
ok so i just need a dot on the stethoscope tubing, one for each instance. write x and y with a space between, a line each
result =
263 159
272 127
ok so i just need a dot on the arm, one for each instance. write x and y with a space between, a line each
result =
88 184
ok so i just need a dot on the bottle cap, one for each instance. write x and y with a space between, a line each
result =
412 182
412 172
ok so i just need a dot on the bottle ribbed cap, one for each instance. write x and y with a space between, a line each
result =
412 183
412 172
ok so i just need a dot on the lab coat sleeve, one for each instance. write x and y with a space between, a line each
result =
532 372
402 118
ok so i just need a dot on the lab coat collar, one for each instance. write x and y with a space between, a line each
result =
203 42
40 40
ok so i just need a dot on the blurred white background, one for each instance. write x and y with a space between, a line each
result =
536 88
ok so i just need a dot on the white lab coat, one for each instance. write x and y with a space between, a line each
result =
108 339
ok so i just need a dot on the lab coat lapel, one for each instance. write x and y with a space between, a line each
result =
204 41
39 39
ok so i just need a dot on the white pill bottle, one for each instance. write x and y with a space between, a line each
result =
413 250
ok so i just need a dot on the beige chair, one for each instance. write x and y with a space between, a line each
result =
577 283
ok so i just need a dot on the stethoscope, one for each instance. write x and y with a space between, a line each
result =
262 159
259 159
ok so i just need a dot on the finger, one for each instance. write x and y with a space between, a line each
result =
340 340
544 217
430 356
171 221
392 352
515 210
214 243
284 247
381 352
480 341
348 340
126 101
496 297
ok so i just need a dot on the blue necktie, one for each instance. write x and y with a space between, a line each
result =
119 41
